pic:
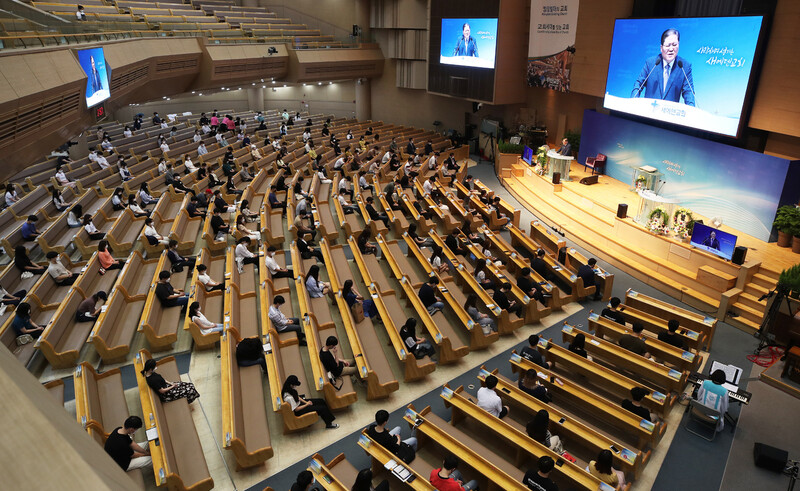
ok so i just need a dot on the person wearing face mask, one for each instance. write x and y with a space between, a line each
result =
205 325
274 268
167 295
168 391
300 405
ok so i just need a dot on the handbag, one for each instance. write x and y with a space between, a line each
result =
25 275
332 380
357 310
24 339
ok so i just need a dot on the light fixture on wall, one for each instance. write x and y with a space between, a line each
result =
274 89
272 50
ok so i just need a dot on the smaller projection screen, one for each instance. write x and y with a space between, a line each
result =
469 42
93 63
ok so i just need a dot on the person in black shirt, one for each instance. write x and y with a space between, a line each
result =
635 342
168 391
539 480
578 346
191 208
427 293
531 288
218 225
586 272
178 262
500 297
126 452
303 481
168 296
333 363
529 383
612 313
634 404
530 352
306 251
220 203
373 213
540 266
390 440
428 148
671 336
452 243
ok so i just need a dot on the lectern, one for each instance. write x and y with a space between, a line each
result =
559 163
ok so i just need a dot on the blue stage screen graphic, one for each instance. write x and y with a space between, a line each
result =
714 241
527 155
742 187
469 42
93 62
688 71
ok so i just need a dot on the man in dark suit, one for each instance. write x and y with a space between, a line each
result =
428 148
566 148
586 272
411 149
666 76
540 266
711 241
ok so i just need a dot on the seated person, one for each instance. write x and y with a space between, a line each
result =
488 399
306 251
9 299
192 208
167 295
529 383
243 255
88 310
488 325
417 346
612 312
120 445
427 294
274 268
250 352
364 477
540 265
218 225
152 235
273 200
390 439
281 323
539 430
209 284
671 336
578 346
634 404
61 275
586 272
529 286
301 227
531 353
205 325
24 264
448 478
28 229
635 342
452 243
168 391
364 245
712 394
373 213
539 479
22 323
602 469
300 405
500 298
333 363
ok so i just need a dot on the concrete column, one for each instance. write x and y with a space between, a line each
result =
363 100
255 98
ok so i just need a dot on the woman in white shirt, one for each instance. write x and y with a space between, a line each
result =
92 156
349 135
93 232
246 232
301 406
127 133
205 325
153 237
124 173
316 288
438 261
206 129
162 166
137 210
244 209
164 124
116 200
164 147
102 161
74 216
243 255
196 138
106 145
255 153
187 161
204 278
58 201
201 149
61 177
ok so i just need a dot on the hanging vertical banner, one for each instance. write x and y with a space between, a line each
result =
551 45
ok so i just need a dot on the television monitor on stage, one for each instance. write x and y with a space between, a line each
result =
693 72
712 240
527 155
93 62
468 42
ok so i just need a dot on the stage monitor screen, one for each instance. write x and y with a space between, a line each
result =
527 155
469 42
714 241
692 72
93 63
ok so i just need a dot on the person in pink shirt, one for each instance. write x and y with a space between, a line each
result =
214 120
231 123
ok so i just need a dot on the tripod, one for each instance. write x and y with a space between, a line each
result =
765 338
792 470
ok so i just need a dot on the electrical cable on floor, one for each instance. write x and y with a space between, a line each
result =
767 356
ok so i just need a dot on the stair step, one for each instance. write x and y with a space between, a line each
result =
748 312
756 289
764 280
743 322
752 301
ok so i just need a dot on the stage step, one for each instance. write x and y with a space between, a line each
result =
751 301
744 324
757 289
764 280
748 312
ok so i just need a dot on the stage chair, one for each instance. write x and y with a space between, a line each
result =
595 163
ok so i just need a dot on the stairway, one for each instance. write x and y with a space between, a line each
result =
748 307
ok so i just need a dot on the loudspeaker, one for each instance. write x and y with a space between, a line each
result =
738 255
556 178
622 210
770 458
590 180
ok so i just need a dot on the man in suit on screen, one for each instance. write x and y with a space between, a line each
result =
466 45
666 76
94 77
711 241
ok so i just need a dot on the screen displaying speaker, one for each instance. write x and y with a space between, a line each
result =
93 62
469 42
714 241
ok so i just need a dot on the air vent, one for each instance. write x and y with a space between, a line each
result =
17 124
229 68
342 68
126 79
176 65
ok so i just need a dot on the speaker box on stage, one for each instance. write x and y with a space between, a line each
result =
770 458
622 210
590 179
556 178
739 254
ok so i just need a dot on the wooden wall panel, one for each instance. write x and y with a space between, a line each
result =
509 79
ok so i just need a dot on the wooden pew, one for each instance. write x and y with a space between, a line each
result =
340 479
646 434
178 459
119 317
373 367
630 460
160 324
656 324
604 279
682 360
100 403
500 474
420 469
63 338
463 406
690 320
56 389
601 376
544 237
244 416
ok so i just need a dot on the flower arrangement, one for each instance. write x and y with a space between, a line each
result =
683 223
640 182
658 221
541 160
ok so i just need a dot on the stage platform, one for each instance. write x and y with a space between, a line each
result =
586 214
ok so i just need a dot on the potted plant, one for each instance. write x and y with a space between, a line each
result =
784 222
541 159
795 231
789 281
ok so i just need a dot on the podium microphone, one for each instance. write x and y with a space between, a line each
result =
680 65
658 62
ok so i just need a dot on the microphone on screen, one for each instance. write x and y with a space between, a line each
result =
658 62
680 65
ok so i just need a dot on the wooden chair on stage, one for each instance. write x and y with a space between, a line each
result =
595 163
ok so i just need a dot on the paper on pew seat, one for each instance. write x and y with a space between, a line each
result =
152 434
